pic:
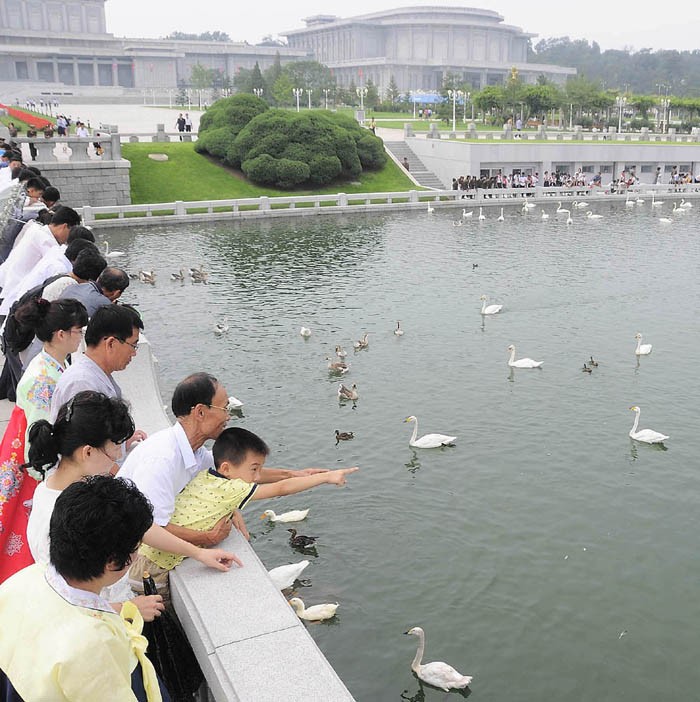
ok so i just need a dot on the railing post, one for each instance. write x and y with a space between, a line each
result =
264 204
180 208
413 196
116 147
342 199
88 216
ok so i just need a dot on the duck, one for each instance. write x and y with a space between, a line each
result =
340 352
337 366
655 202
220 328
590 215
199 275
429 440
431 209
295 515
686 205
301 541
345 393
647 436
501 218
234 402
489 309
642 349
665 220
522 362
579 205
437 674
316 613
482 216
467 215
305 332
363 343
284 576
586 369
593 363
178 276
544 215
344 436
457 223
398 331
112 254
147 277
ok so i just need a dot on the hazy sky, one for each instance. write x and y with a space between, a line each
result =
616 25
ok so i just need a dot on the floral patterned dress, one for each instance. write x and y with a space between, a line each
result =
17 486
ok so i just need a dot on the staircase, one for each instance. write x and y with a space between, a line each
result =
418 170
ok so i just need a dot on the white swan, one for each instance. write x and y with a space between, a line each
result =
284 576
665 220
220 328
501 218
489 309
560 208
398 331
678 210
437 674
580 205
569 220
590 215
234 402
482 216
317 613
305 332
655 202
429 440
521 362
648 436
639 200
628 202
642 349
112 254
686 205
544 215
431 209
295 515
466 214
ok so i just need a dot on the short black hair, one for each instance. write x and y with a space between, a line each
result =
195 389
51 194
97 523
112 279
76 246
65 215
77 231
118 321
35 183
89 263
233 444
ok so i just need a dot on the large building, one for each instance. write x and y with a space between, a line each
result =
49 47
418 46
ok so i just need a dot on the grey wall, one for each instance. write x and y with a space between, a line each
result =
96 184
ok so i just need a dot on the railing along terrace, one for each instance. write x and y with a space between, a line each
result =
71 148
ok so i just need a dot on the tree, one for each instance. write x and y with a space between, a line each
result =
282 91
275 71
540 98
256 78
372 98
490 99
392 92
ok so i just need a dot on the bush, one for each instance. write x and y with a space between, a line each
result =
262 170
291 173
324 169
216 141
370 150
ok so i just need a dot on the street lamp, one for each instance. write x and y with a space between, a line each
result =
621 101
308 93
665 102
453 95
361 93
325 95
258 91
297 92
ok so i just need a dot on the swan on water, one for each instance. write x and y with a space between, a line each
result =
466 214
501 218
590 215
665 220
655 202
628 202
305 332
521 362
482 216
686 205
112 254
284 576
220 328
648 436
560 208
489 309
437 674
234 402
580 205
317 613
678 210
429 440
398 331
642 349
569 220
544 215
295 515
431 209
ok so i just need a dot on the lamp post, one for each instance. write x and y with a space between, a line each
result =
325 95
621 101
258 91
664 123
308 93
297 92
361 93
453 95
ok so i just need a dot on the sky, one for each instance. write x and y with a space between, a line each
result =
618 25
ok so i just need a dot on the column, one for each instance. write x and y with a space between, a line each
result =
76 73
95 72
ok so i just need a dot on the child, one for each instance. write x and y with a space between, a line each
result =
239 456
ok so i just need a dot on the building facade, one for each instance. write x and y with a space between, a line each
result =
418 46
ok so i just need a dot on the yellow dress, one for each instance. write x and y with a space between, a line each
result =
60 644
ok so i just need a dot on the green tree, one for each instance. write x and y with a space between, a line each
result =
282 91
372 97
392 92
540 99
491 99
273 72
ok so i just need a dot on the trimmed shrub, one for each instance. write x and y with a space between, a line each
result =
291 173
370 149
216 141
324 169
262 170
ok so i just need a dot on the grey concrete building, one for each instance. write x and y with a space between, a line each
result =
52 47
419 45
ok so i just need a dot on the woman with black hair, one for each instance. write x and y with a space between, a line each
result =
58 325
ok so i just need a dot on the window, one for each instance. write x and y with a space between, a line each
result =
647 169
21 70
587 169
606 169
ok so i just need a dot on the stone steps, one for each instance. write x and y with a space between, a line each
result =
426 178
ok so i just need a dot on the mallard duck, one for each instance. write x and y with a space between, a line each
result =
296 515
437 674
398 331
363 343
340 352
429 440
586 369
317 613
348 393
343 435
301 541
642 349
648 436
593 363
178 276
521 362
284 576
305 332
337 366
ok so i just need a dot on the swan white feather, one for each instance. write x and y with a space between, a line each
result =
437 673
642 349
648 436
521 362
489 309
429 440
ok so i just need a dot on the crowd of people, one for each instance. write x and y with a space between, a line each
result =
88 501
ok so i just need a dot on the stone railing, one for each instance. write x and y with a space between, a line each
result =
62 149
304 205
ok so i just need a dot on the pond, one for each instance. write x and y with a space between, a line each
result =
545 553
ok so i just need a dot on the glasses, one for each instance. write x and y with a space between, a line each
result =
228 409
124 341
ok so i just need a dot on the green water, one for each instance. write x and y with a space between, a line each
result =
526 550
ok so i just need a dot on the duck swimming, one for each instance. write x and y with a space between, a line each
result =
301 541
343 436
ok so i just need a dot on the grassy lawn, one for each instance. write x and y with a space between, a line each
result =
187 175
6 119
